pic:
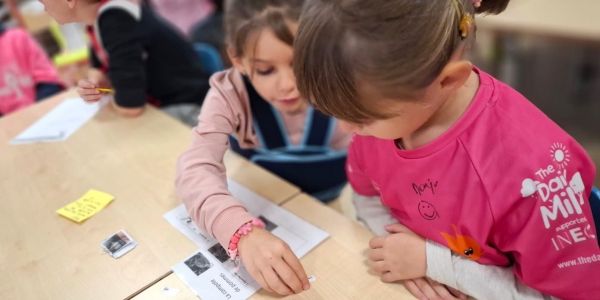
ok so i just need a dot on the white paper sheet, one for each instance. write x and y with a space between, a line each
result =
211 274
60 122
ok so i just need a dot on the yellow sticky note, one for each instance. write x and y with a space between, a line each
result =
88 205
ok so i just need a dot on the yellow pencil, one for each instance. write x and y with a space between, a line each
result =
105 90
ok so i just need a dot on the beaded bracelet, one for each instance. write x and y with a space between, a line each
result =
242 231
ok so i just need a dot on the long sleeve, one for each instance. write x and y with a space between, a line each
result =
120 38
94 60
201 177
476 280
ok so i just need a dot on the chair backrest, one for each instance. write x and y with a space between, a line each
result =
209 57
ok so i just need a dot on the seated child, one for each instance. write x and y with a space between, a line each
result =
26 73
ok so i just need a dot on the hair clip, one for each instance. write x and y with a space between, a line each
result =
466 23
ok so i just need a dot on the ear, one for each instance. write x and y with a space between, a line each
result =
236 61
454 75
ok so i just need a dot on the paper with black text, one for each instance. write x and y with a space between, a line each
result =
211 274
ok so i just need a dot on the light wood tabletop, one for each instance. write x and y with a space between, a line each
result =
338 263
45 256
576 19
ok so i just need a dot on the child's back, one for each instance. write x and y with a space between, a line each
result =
24 67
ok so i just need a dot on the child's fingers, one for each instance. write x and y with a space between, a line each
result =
376 254
376 242
90 98
396 228
294 263
378 267
255 273
274 282
412 288
289 277
427 288
445 292
457 293
86 84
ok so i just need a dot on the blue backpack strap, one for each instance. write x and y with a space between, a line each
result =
266 123
320 175
595 206
235 146
320 129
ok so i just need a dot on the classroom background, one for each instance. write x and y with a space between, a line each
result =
547 49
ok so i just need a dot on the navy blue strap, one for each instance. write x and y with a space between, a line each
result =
266 123
319 129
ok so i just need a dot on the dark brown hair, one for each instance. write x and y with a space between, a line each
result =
397 47
245 17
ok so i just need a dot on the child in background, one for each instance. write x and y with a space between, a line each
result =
145 59
26 73
184 14
256 101
457 156
10 14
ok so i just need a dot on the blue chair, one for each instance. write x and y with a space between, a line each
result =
209 57
595 206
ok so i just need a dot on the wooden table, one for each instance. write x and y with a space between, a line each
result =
576 19
45 256
338 263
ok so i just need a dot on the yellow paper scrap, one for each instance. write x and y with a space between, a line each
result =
88 205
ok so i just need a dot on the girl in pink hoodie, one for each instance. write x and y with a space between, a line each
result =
257 103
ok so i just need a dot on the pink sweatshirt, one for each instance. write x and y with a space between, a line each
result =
184 14
23 64
201 180
504 185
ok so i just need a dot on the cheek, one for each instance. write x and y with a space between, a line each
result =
264 87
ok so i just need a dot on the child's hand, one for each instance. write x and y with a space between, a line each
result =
271 263
427 289
398 256
88 90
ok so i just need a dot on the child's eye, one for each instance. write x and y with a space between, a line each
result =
264 72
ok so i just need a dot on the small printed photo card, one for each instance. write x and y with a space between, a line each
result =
118 244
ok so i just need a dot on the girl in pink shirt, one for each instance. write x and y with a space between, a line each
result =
457 156
258 103
26 73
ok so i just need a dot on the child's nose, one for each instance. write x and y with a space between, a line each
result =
288 82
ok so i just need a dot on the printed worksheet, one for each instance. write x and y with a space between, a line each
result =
211 274
59 123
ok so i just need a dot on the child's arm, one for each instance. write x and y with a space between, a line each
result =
478 281
201 179
202 185
118 30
